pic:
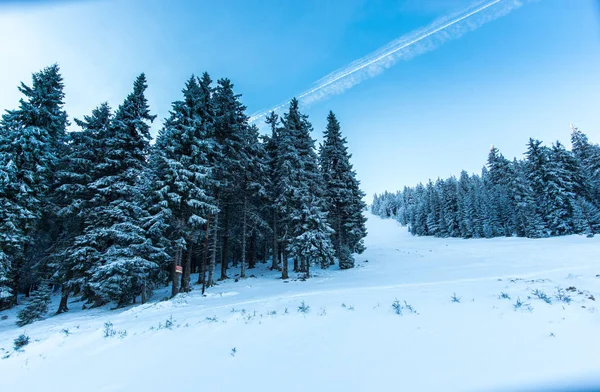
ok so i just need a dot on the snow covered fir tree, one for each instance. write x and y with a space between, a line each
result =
94 210
551 192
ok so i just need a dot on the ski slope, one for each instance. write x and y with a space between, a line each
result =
249 335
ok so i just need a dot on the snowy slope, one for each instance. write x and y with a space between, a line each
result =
350 339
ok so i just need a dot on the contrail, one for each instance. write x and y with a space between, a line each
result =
405 47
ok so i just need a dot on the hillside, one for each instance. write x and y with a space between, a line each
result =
250 334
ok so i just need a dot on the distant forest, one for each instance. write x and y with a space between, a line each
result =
551 192
101 213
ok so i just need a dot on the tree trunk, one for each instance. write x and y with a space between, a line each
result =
587 218
275 243
339 241
143 296
295 264
185 276
307 268
202 274
243 269
225 250
213 255
174 281
62 307
284 266
252 253
266 252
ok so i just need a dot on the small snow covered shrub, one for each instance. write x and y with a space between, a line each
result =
212 319
303 308
21 341
169 322
409 308
37 306
503 295
123 333
397 306
562 296
541 295
522 305
109 330
454 298
233 352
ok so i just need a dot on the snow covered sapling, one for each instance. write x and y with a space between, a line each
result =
21 341
233 351
562 296
541 295
109 330
503 295
454 298
522 305
409 308
397 306
169 322
303 308
37 306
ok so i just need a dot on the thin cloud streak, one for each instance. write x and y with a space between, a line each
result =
403 48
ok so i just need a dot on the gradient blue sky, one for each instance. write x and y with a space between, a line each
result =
529 73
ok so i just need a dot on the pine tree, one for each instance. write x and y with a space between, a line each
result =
272 149
115 241
299 187
75 198
229 128
528 221
31 139
499 178
182 176
312 245
537 176
342 195
560 190
37 306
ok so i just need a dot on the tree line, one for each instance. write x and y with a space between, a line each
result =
101 213
551 192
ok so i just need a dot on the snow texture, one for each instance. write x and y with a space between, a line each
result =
250 335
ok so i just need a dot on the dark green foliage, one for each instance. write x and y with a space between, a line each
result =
551 192
37 306
106 216
21 341
342 194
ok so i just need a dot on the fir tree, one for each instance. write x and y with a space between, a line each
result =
342 195
31 139
115 241
75 198
37 306
229 127
299 186
182 175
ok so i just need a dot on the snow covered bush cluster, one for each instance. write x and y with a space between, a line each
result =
551 192
101 213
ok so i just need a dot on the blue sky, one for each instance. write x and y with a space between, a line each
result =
528 73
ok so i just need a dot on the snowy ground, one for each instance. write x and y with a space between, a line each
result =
249 335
